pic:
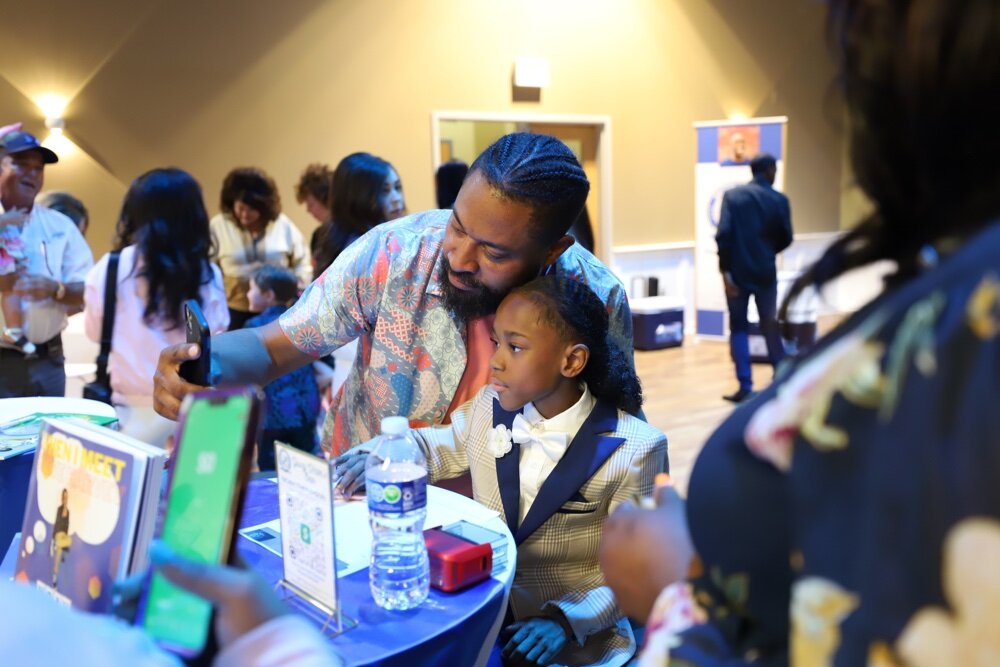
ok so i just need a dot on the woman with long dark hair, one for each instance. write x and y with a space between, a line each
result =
366 191
850 513
165 248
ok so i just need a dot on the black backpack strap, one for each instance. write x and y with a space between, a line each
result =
108 323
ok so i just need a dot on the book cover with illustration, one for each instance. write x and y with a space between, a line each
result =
90 512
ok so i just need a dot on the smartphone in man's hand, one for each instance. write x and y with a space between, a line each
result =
197 371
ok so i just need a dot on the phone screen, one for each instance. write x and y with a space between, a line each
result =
199 515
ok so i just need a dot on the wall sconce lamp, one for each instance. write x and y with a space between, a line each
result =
530 76
531 72
55 125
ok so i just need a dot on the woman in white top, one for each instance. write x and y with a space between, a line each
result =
251 231
165 245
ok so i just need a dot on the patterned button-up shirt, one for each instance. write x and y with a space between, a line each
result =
386 290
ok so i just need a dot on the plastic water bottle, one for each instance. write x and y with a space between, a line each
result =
396 483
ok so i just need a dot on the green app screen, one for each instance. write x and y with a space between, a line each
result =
200 501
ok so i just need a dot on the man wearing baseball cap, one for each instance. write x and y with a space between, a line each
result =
51 283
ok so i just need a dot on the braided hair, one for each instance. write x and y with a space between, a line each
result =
539 171
578 315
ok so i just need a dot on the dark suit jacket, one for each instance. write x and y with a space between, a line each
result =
755 225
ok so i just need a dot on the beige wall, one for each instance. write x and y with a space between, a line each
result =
212 85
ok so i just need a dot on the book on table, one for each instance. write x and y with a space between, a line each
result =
90 513
20 435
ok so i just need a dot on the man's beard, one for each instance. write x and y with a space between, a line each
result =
470 304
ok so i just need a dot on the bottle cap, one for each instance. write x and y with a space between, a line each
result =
395 425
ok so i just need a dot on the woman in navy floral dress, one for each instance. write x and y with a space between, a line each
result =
850 514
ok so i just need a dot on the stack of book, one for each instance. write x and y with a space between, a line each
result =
91 511
479 535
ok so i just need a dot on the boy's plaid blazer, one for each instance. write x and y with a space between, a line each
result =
613 457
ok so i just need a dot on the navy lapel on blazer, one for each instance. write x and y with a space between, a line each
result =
509 470
586 453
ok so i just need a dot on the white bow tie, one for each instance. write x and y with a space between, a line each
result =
553 443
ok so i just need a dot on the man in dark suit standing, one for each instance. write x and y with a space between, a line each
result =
755 225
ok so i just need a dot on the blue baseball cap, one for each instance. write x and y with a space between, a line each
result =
18 142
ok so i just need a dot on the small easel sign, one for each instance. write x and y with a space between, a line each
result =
305 498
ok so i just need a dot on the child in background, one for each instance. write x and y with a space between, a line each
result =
554 446
292 399
11 258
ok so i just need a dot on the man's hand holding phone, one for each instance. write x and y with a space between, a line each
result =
169 388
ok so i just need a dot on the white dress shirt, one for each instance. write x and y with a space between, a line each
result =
54 248
535 463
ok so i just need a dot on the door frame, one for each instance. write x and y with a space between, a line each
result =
601 123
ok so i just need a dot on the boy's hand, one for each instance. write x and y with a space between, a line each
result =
349 470
536 641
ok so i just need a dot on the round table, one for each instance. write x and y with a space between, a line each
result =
449 628
15 472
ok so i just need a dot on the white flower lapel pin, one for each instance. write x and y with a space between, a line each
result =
499 440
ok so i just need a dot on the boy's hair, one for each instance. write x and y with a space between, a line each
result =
278 280
579 316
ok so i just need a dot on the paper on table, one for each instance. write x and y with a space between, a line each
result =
441 509
353 534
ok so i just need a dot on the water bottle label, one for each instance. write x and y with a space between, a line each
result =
397 497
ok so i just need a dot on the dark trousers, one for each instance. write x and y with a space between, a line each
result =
301 437
43 374
739 330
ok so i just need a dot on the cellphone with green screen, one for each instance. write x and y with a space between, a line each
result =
207 482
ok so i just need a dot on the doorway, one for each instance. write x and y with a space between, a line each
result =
464 135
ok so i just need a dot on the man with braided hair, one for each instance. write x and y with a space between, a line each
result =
420 294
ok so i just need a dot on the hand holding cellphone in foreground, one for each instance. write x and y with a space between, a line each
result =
242 600
207 483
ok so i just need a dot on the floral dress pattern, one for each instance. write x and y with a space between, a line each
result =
880 504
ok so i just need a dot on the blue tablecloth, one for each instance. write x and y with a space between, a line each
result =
446 629
15 474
